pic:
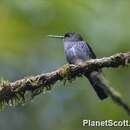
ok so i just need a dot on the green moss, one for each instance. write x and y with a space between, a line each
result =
9 98
34 88
65 73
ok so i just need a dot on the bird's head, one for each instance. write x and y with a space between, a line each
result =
69 37
72 36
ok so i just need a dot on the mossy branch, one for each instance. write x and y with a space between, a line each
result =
13 93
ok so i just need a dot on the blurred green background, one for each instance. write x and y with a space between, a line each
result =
26 50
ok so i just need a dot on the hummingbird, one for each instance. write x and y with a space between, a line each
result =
78 51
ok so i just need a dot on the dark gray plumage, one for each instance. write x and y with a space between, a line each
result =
76 51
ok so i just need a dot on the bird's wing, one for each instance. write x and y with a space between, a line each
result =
83 50
92 54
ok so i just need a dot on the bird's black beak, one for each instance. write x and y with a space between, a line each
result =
55 36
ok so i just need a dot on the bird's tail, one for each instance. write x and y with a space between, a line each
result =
96 81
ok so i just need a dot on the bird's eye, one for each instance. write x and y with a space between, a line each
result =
67 35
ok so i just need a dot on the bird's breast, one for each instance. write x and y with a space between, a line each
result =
76 51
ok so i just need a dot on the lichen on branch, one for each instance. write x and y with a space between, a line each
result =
16 92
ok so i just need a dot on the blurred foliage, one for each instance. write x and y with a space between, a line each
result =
26 50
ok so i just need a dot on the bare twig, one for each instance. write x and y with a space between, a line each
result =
13 93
